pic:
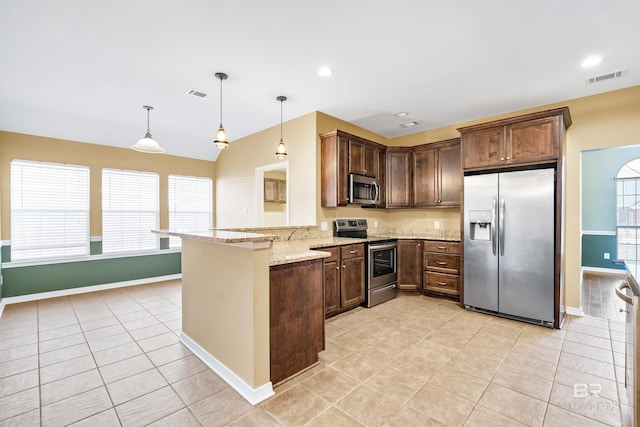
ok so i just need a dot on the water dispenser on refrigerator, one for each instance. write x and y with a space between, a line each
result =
480 223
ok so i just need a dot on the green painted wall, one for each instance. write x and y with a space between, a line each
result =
599 169
54 277
598 193
593 249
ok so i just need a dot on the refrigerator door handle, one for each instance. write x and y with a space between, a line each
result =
501 226
494 243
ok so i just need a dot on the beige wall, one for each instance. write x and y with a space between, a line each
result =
29 147
236 169
611 119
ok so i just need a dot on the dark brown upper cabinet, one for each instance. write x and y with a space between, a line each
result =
343 154
437 174
398 177
524 140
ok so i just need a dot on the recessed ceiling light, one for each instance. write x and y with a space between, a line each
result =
402 114
591 61
408 124
325 72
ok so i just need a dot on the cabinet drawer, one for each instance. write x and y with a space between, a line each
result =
335 254
442 262
445 283
352 251
440 246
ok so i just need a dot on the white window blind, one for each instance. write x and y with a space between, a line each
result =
129 211
49 210
190 200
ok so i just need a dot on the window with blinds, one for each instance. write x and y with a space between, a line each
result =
190 201
49 210
130 210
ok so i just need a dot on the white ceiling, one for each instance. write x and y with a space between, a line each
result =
82 69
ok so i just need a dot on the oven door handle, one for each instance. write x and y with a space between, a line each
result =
386 288
383 246
621 294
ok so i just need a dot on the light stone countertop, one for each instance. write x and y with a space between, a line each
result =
290 251
218 236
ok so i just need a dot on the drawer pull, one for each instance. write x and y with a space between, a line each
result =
442 247
441 263
442 283
353 252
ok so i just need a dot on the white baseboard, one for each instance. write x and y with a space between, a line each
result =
605 270
574 311
251 395
85 289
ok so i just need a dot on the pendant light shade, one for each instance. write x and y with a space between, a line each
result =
147 144
281 150
221 141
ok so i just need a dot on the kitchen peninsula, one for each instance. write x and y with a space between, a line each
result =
232 303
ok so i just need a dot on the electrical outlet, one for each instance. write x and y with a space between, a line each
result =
324 226
375 223
607 255
436 225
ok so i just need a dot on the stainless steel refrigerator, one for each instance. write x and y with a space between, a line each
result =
509 248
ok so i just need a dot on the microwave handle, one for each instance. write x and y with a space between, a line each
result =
350 199
376 192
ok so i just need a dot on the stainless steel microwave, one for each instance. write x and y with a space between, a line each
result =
363 190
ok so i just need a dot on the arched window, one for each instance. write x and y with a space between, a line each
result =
628 211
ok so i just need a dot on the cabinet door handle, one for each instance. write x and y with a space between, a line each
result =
344 266
442 283
508 157
501 158
441 263
364 171
442 247
337 268
353 252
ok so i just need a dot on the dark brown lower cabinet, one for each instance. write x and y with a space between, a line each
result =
409 265
296 317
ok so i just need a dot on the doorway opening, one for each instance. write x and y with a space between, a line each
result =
272 195
628 211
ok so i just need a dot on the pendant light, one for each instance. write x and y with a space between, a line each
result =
221 140
281 151
147 144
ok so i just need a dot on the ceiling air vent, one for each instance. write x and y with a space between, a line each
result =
408 124
197 93
608 76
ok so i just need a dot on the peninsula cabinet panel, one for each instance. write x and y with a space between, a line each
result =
296 319
398 177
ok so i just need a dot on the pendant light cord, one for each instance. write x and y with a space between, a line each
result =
281 120
221 102
148 127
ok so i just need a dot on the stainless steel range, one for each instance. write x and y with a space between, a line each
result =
381 282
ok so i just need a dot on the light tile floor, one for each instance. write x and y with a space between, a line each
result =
114 358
